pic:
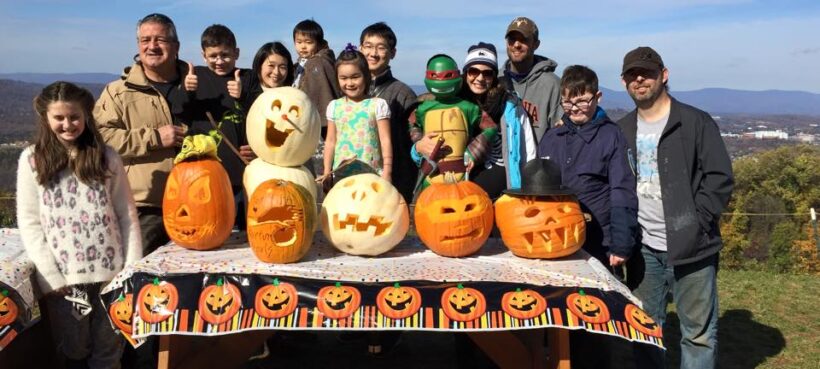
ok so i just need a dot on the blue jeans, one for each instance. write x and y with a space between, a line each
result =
694 292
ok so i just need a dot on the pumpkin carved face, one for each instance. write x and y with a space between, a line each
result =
198 206
283 127
641 321
454 219
364 215
540 227
525 304
338 301
122 312
281 219
219 302
589 308
259 171
398 302
276 300
8 309
463 304
157 301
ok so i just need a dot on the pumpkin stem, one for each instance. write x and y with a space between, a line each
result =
450 178
219 282
156 281
396 285
581 292
121 298
5 293
276 281
338 284
460 286
518 289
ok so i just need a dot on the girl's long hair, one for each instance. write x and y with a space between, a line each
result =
89 163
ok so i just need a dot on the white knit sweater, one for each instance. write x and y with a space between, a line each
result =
76 233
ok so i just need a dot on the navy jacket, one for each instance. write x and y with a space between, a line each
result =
594 164
696 180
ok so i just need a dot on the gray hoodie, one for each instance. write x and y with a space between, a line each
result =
541 87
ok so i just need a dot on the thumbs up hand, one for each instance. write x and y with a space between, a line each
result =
235 86
191 81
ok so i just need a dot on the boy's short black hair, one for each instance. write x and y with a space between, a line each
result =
578 80
218 35
310 28
352 56
382 30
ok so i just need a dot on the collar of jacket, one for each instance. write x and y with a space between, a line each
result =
135 78
383 78
586 131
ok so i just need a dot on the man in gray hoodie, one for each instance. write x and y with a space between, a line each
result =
532 77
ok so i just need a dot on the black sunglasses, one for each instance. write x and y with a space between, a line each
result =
487 73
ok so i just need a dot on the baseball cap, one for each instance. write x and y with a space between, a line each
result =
524 25
643 57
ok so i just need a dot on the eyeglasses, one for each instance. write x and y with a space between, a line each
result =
224 57
474 72
580 104
380 48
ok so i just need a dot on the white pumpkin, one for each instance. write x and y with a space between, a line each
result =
259 171
364 215
283 127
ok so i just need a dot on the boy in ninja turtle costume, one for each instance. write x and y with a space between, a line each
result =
462 137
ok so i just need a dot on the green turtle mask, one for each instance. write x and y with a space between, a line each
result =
442 78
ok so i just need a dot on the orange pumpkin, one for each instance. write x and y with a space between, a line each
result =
338 301
122 312
281 220
641 321
589 308
219 302
157 301
463 304
198 206
526 304
543 227
8 309
454 219
398 302
276 300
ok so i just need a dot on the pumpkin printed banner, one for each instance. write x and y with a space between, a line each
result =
18 307
228 290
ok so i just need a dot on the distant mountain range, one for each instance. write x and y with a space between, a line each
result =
713 100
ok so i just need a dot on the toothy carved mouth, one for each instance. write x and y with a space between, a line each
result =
527 307
157 307
339 305
220 310
352 220
476 233
401 305
274 137
545 238
283 221
466 309
126 321
276 306
188 233
590 313
4 313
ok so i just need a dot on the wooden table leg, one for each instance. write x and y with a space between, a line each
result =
558 340
164 355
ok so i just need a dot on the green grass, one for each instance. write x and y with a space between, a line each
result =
767 320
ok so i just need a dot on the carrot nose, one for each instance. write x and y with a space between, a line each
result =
285 117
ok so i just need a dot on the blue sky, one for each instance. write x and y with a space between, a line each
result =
743 44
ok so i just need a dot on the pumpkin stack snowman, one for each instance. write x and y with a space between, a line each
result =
283 130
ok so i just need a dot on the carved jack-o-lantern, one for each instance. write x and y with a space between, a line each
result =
454 219
281 220
641 321
463 304
157 301
198 206
219 302
589 308
283 127
122 312
525 304
364 215
540 227
259 171
338 301
8 309
276 300
398 302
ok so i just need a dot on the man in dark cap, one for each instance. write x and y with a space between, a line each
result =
684 183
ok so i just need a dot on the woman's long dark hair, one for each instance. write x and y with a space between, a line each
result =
491 102
267 50
89 163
